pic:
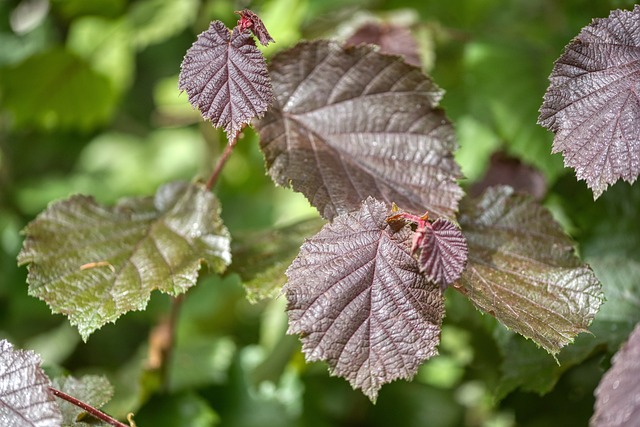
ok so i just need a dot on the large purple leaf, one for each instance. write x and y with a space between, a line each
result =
592 103
523 270
226 78
357 298
25 399
348 123
617 401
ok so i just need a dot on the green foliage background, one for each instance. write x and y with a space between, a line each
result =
89 104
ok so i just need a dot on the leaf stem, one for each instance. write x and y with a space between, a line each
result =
221 162
88 408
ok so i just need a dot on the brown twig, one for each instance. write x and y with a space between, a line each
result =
88 408
221 162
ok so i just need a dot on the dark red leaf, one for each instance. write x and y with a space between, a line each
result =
226 78
357 298
443 252
392 39
352 123
617 402
592 103
251 21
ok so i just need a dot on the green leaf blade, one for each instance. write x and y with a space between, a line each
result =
94 263
523 270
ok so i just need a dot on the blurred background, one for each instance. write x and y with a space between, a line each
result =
89 104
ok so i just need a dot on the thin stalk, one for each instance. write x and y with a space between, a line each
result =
88 408
221 162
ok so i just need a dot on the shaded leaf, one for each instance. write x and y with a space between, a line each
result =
262 258
617 402
352 123
226 78
183 409
523 270
393 39
25 399
251 21
57 89
443 252
357 298
592 104
94 263
93 390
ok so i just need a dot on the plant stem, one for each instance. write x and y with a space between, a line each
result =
88 408
221 162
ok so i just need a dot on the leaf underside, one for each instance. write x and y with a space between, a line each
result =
357 298
617 403
523 270
592 103
348 123
94 263
226 78
25 399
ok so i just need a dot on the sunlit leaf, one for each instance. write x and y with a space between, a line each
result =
154 21
443 252
95 263
617 402
262 258
592 104
226 78
352 123
523 270
90 389
25 399
357 298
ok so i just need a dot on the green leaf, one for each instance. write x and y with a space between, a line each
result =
93 390
57 89
157 20
262 258
523 270
94 263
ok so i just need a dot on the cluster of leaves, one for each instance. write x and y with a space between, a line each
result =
360 134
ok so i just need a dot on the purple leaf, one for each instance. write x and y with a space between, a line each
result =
349 123
443 252
251 21
393 39
25 399
592 103
226 78
357 298
617 402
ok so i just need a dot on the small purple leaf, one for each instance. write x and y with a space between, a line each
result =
226 78
592 103
357 298
251 21
617 402
443 252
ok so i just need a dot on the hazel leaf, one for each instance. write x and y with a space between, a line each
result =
617 403
95 263
25 398
226 78
592 104
359 302
348 123
523 269
93 390
443 252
